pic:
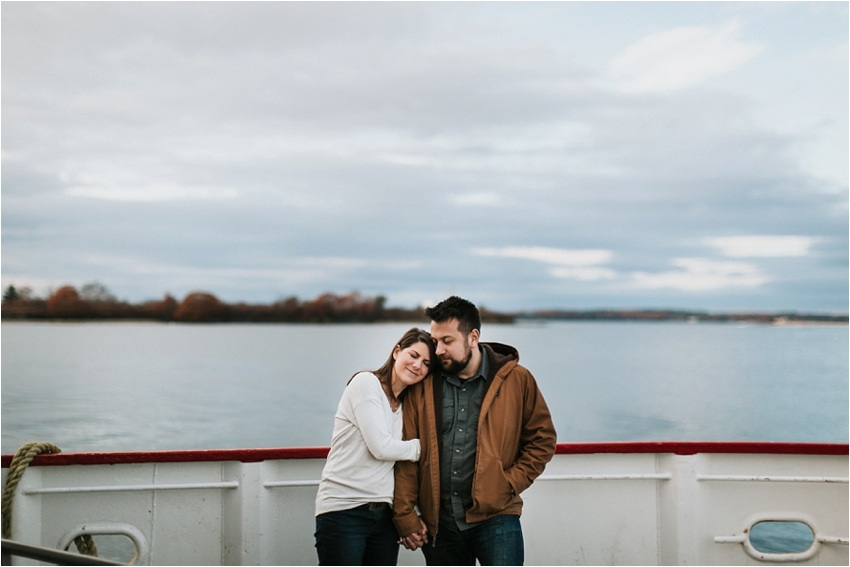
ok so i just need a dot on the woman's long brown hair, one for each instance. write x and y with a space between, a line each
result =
411 337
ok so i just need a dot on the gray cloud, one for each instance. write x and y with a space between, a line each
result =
265 149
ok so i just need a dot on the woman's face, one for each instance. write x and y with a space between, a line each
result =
412 364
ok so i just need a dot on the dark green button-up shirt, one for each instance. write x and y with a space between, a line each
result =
461 408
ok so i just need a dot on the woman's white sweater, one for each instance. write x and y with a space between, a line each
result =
366 443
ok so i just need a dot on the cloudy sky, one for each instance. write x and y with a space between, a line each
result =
524 155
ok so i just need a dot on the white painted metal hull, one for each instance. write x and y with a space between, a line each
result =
601 504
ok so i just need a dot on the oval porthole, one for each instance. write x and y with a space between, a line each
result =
781 537
115 547
123 543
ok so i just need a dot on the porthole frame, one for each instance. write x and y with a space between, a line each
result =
792 557
142 555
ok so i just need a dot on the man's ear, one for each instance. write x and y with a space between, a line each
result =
473 337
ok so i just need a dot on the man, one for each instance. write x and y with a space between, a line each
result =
485 433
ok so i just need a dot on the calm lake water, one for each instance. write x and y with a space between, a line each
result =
146 386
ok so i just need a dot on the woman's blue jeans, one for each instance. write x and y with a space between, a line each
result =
364 535
497 541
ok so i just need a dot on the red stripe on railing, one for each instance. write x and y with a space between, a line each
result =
199 455
287 453
694 447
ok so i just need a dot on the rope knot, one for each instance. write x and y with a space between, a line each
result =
20 462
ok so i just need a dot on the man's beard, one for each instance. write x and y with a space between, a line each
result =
453 366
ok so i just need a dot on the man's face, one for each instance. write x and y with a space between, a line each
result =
454 349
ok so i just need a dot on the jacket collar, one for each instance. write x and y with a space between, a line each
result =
499 356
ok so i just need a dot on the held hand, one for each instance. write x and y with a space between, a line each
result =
411 542
417 539
423 532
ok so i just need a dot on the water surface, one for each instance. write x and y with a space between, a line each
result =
148 386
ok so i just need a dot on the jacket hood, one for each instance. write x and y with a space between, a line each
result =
500 355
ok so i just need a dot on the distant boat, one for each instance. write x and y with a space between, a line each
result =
635 503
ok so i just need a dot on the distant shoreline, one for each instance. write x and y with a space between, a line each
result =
781 318
517 321
797 320
94 303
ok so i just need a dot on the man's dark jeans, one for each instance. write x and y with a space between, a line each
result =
497 541
364 535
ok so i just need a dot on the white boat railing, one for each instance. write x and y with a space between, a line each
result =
599 504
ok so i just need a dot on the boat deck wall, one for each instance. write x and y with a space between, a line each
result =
652 505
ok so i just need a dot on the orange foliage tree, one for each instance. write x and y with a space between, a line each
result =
199 307
66 302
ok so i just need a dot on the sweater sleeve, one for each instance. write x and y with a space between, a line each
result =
371 420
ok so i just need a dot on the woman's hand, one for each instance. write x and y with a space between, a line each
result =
417 539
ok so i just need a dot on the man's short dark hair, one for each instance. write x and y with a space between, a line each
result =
456 308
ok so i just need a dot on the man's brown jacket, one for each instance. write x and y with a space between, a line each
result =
516 438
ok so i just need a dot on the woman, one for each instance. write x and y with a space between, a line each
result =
354 505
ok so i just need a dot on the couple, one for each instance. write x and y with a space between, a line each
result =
478 432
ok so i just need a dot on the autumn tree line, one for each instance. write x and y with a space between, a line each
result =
94 302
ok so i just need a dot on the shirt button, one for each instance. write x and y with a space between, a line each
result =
460 430
462 409
457 450
454 472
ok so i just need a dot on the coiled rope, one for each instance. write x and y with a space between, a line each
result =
20 462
